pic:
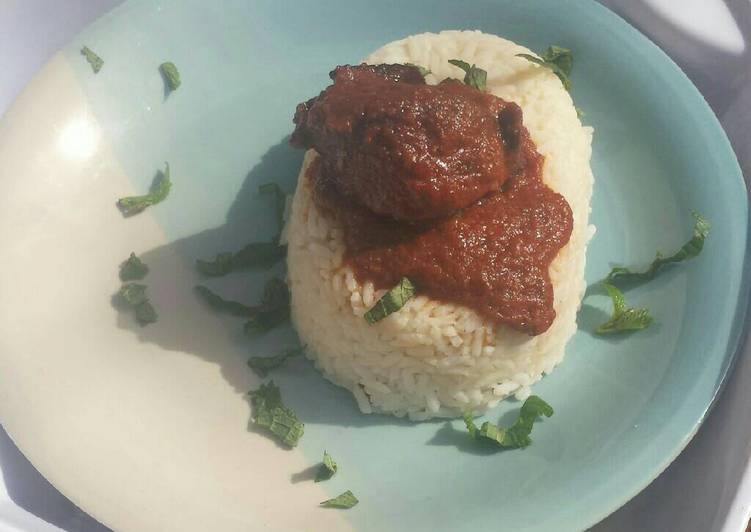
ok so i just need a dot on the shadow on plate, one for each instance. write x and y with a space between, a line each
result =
186 325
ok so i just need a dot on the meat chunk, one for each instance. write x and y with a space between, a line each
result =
407 150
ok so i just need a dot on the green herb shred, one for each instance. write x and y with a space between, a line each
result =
623 318
262 366
134 296
421 69
146 313
392 301
159 190
559 60
94 60
327 469
133 293
473 75
344 501
171 75
517 435
689 250
133 269
270 413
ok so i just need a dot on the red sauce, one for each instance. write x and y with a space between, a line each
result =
438 183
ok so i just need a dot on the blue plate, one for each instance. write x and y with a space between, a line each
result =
625 407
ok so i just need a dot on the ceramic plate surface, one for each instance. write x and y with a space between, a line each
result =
147 428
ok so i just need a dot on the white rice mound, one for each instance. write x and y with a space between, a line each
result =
430 358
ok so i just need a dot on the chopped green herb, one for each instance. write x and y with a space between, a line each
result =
262 366
133 293
559 60
689 250
562 57
344 501
171 75
624 318
254 256
421 69
517 435
133 269
579 112
327 469
146 313
270 413
159 190
473 75
94 60
220 304
392 301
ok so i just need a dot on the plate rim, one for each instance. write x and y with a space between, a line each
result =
740 325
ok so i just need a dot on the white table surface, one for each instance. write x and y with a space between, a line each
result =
708 488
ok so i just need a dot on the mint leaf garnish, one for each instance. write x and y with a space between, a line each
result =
558 59
158 192
344 501
133 269
473 75
270 413
623 318
392 301
689 250
327 469
517 436
171 75
94 60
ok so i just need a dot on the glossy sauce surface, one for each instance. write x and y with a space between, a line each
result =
438 183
